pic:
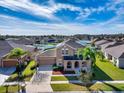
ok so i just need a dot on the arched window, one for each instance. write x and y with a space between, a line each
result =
76 64
69 64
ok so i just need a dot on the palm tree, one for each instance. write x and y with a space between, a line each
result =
88 53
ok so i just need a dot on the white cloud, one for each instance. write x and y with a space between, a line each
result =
38 10
13 26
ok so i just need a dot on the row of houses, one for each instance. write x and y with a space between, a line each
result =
113 51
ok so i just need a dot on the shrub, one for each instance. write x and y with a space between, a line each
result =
33 67
56 68
16 52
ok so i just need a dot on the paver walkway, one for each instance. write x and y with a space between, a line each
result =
67 75
41 81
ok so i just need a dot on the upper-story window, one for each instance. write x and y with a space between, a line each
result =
66 51
63 52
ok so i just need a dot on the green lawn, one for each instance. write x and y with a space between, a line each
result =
107 87
107 71
28 70
63 78
67 87
76 87
27 73
11 89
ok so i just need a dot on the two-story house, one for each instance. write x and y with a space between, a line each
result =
65 55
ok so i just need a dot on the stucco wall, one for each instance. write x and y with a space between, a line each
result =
120 63
59 55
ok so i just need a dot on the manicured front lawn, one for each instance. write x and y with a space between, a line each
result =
92 87
67 87
63 78
27 73
107 87
28 70
107 71
11 89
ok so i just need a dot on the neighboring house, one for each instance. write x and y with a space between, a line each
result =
115 54
112 50
65 55
6 47
104 46
100 42
22 41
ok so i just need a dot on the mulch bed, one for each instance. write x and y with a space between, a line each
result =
62 72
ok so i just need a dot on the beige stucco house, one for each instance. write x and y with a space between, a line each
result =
113 51
65 55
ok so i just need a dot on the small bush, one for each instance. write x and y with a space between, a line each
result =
33 67
56 68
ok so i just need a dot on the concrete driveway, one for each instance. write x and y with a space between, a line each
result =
5 73
41 80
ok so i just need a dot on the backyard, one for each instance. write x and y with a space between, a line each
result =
105 70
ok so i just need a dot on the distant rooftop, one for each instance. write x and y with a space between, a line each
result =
100 42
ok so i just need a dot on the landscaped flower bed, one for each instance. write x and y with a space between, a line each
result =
62 72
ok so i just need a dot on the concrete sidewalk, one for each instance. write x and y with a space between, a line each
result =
77 81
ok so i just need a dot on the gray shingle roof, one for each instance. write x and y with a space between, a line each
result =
5 48
100 42
50 53
116 51
71 43
24 47
24 41
103 46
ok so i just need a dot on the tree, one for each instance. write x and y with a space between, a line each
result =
16 52
88 53
100 55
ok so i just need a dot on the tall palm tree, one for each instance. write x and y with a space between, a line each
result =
88 52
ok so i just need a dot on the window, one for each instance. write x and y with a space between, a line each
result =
60 64
69 64
62 51
66 51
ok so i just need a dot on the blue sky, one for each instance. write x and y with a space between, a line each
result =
63 17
